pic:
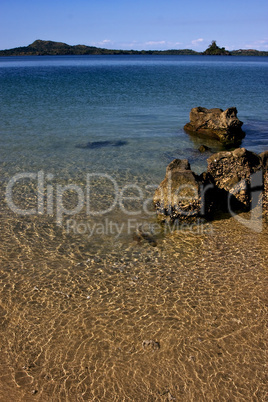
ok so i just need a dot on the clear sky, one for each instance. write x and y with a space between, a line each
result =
138 24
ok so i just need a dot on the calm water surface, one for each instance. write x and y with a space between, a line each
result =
88 312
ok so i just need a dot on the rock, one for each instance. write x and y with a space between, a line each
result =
171 397
153 345
180 194
140 234
234 181
265 197
178 165
232 172
216 123
264 159
203 148
101 144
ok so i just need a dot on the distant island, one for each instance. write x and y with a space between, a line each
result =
50 48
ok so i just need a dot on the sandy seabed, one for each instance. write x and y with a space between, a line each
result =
185 320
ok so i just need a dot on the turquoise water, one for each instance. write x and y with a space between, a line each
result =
88 313
122 116
49 105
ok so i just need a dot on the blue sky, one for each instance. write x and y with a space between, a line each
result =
139 24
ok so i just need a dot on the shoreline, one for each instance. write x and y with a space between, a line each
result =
42 47
97 309
133 54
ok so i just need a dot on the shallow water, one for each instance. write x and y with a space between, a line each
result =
89 311
75 324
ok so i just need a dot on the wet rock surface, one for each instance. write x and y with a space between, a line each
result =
216 123
179 194
233 172
234 181
264 159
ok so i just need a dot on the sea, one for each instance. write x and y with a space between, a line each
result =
90 309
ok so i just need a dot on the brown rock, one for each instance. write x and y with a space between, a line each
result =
180 194
232 172
264 159
151 344
235 180
216 123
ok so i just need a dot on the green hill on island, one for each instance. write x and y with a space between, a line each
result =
51 48
213 49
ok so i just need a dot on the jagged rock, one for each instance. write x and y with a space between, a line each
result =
181 194
264 159
178 165
234 180
232 172
216 123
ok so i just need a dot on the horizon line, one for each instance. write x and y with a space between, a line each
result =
132 49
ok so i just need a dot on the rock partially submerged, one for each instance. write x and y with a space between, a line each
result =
216 123
151 344
140 235
235 180
101 144
233 172
180 194
264 159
